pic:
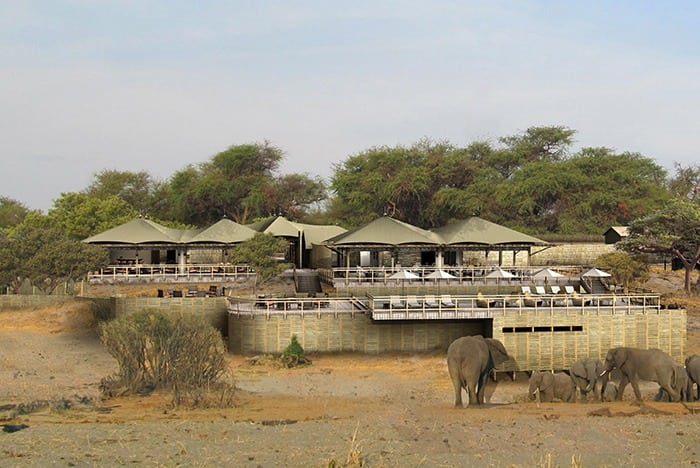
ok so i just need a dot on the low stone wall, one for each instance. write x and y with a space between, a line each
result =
214 309
24 301
570 254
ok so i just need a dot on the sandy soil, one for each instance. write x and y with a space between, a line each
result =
351 409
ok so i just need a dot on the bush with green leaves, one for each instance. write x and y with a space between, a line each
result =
176 352
293 355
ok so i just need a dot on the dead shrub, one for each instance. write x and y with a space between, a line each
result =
157 351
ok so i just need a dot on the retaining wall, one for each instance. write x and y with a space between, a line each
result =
549 346
345 332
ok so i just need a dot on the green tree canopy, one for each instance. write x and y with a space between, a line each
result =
673 229
12 212
261 253
80 215
40 251
137 189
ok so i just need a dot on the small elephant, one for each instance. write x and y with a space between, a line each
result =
551 386
470 359
681 383
610 392
640 364
585 374
692 366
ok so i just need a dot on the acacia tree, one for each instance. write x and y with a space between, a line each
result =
261 253
673 230
41 252
137 189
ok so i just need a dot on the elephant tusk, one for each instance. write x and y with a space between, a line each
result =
603 373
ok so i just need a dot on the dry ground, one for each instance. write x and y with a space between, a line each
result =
380 411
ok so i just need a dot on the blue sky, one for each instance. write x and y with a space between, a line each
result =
88 85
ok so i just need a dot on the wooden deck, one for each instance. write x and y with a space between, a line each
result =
431 307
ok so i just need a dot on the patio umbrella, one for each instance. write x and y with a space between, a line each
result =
548 273
438 275
403 276
500 273
441 274
596 273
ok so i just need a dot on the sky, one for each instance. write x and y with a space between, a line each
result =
139 85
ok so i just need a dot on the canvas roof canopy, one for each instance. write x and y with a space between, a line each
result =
140 231
476 230
224 231
384 231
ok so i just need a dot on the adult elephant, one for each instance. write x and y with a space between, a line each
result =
585 374
550 386
640 364
692 366
469 361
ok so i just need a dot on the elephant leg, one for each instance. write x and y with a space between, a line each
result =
457 384
621 388
635 387
673 395
473 396
482 385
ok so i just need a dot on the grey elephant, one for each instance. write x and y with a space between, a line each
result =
585 374
692 366
681 383
610 393
470 359
640 364
552 386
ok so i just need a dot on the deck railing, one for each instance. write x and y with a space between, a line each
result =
373 276
432 307
168 272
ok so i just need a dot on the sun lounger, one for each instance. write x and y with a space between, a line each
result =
446 301
396 303
431 302
413 302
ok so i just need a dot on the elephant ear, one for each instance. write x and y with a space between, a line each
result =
498 352
546 381
578 370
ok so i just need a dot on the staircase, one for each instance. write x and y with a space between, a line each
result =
595 286
307 282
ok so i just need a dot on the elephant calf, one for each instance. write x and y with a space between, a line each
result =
692 366
585 374
550 386
681 383
610 392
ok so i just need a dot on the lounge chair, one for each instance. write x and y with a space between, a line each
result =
430 302
569 289
525 290
555 289
446 301
539 290
396 303
413 302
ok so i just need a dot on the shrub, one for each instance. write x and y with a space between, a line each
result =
154 350
293 355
